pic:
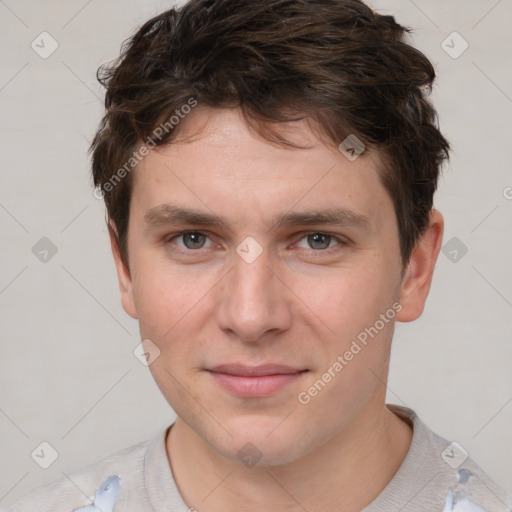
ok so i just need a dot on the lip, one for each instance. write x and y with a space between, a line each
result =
254 381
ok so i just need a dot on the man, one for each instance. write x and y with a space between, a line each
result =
268 170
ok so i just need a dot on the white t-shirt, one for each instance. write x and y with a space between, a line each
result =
435 476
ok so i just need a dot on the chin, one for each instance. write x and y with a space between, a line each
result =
261 441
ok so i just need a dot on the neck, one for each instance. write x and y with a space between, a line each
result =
351 469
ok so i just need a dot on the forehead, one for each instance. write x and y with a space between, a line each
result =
217 162
223 125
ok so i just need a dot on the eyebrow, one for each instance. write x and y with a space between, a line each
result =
169 214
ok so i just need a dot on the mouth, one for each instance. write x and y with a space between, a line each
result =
254 381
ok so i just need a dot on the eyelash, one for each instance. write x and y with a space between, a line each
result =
341 242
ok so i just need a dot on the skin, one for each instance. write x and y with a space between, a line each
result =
202 305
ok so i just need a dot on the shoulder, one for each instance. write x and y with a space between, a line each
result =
120 473
450 480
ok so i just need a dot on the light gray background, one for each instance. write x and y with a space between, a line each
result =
68 373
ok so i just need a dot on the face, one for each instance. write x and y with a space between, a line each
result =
257 271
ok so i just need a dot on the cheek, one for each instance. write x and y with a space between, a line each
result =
361 310
162 299
350 300
173 305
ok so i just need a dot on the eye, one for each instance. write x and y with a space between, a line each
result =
318 242
107 487
321 242
192 240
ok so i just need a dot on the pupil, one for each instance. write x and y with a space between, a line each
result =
194 239
318 236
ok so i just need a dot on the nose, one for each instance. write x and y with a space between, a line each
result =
254 302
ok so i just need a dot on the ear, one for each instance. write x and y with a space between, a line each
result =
420 269
123 274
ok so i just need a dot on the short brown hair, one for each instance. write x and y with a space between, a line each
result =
335 62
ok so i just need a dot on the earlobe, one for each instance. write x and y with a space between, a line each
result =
420 269
123 274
